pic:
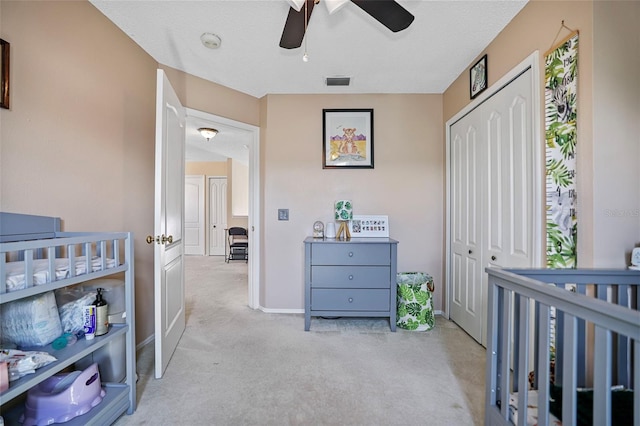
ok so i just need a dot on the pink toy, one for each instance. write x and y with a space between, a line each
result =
62 397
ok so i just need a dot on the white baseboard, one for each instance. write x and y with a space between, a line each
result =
145 342
280 311
301 311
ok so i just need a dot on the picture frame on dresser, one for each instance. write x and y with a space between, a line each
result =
347 138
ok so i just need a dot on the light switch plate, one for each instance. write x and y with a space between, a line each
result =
283 214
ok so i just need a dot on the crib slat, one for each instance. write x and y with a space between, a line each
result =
88 252
581 336
623 345
493 331
602 377
103 255
3 273
51 256
523 358
72 261
28 268
116 252
505 351
569 376
636 381
542 382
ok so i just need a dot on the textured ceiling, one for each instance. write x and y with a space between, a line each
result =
425 58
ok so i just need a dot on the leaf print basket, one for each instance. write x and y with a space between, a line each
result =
415 306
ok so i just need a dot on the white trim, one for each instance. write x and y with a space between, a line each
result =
253 298
533 62
281 311
145 342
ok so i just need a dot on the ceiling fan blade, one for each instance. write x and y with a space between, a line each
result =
388 12
294 27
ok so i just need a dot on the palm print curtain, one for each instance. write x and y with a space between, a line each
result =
561 66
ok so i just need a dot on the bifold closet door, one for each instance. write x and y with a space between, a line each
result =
491 189
468 165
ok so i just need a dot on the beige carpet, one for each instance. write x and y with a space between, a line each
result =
237 366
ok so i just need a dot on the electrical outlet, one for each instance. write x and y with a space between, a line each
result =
283 214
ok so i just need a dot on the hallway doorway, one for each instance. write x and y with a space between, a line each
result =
235 142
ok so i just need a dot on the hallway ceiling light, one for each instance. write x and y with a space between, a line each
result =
208 132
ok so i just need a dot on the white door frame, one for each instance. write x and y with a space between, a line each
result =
533 62
253 299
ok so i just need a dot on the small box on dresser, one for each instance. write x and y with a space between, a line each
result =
350 278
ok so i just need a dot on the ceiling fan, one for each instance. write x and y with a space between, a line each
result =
388 12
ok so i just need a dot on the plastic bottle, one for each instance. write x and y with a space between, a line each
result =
102 314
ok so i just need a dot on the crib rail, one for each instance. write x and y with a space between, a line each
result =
81 256
520 330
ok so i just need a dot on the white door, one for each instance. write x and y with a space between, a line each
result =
510 195
217 215
194 225
492 204
168 224
468 153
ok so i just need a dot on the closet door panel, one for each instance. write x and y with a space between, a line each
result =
521 196
466 195
496 177
510 200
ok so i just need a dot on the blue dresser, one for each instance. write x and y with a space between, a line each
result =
355 278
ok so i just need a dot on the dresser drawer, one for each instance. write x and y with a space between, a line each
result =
350 276
351 254
324 299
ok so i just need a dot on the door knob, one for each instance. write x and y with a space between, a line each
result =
493 258
160 240
470 251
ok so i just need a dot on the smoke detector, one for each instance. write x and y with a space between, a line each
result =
210 40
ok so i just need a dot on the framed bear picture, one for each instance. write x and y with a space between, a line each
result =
347 138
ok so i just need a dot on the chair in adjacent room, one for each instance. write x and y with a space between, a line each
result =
237 244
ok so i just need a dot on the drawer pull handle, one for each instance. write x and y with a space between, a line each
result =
350 254
350 277
351 300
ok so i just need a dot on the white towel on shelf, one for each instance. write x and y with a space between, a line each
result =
16 270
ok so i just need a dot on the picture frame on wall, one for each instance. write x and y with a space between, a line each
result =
347 138
4 74
478 77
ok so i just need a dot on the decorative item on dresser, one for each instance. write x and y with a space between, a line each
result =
318 229
355 278
343 214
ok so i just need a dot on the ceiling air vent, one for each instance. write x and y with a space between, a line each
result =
338 81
